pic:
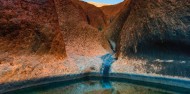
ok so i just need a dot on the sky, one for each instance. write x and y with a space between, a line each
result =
105 1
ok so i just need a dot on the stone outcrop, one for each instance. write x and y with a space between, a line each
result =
45 38
30 25
144 22
40 38
152 36
80 37
158 21
94 16
112 32
111 11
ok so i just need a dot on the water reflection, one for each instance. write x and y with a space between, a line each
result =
93 87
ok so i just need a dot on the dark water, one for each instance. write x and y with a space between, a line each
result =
91 86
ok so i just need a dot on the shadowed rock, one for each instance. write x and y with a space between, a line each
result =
30 25
151 22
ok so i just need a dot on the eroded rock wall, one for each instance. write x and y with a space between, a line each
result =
165 21
112 11
94 15
112 32
30 26
80 37
154 38
31 41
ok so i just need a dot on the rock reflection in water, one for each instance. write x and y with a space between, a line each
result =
93 87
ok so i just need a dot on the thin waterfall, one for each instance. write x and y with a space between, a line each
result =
106 65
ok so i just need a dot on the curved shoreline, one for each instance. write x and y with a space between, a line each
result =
122 77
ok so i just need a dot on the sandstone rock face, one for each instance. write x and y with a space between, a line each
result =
94 15
112 32
30 25
153 37
30 37
80 37
158 21
40 38
111 11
